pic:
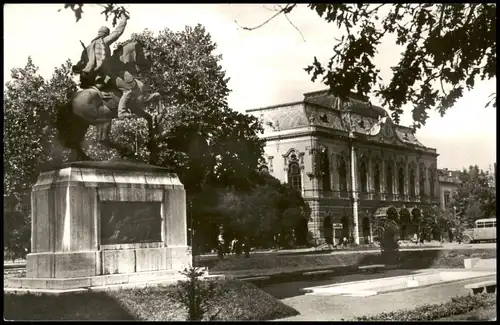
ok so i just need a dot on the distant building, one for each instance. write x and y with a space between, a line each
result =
350 162
449 180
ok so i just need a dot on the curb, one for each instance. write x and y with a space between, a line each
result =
299 275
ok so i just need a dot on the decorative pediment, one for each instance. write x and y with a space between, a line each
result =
293 155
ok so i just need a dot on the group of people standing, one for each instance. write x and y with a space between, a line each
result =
236 246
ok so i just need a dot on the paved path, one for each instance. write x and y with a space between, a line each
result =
20 264
304 251
335 308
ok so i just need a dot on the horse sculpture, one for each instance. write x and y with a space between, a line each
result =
97 105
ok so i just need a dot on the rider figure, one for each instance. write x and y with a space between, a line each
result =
99 62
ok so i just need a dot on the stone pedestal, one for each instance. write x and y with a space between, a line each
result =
97 223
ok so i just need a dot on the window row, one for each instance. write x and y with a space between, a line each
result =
294 177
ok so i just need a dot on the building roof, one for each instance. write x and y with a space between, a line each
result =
449 176
359 104
323 109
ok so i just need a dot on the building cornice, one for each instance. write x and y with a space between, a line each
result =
342 135
273 106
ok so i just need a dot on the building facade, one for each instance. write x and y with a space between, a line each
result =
350 162
449 180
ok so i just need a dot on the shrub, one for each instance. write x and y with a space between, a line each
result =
457 306
389 231
195 294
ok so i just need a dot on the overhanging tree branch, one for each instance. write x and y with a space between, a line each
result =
286 9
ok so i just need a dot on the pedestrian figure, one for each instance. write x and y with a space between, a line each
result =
246 247
220 247
232 246
238 247
344 242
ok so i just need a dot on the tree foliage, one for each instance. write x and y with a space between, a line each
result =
475 197
445 48
29 103
111 10
266 209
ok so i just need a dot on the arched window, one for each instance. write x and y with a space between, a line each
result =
412 182
325 171
294 177
376 178
421 185
401 181
389 179
363 177
342 171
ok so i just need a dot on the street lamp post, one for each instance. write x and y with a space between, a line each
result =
354 193
355 200
191 233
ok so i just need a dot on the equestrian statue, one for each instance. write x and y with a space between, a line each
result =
111 88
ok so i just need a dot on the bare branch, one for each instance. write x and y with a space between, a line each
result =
285 10
298 30
291 23
269 9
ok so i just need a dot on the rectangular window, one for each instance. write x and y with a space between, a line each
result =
489 225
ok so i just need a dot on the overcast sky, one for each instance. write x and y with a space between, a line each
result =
265 65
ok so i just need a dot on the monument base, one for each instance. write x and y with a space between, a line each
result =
105 223
110 259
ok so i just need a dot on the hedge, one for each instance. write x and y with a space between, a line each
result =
457 306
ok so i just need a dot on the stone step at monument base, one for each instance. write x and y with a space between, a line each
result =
102 282
137 285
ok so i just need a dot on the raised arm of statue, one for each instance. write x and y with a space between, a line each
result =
111 38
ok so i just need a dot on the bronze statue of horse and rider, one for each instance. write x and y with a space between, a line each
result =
111 88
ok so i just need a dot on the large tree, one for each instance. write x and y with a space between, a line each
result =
268 209
29 113
475 198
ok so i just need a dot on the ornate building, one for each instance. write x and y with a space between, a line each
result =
350 162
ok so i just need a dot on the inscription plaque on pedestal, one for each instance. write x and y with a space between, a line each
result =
130 222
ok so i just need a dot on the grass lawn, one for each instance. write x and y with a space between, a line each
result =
269 264
236 300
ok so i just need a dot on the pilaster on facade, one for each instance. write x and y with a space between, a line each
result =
370 181
382 178
395 177
427 182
